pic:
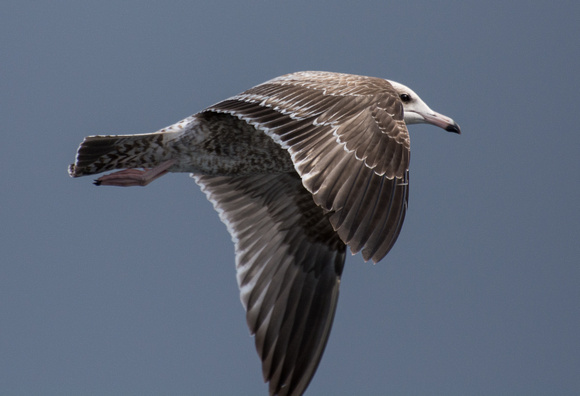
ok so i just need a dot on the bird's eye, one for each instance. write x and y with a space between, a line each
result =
405 98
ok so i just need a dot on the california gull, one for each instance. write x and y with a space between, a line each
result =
298 168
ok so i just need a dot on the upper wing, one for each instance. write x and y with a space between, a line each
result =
349 144
289 261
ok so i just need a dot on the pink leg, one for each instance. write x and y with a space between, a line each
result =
134 177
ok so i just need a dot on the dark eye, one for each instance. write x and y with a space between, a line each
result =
405 98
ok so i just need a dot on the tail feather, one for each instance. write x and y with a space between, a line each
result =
98 154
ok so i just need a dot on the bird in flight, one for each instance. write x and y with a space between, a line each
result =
298 168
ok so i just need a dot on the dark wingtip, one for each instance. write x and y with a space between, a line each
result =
97 182
453 128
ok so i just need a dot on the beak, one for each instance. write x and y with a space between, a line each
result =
442 122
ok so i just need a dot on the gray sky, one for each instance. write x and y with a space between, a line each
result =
132 291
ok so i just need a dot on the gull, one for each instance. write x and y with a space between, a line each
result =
298 168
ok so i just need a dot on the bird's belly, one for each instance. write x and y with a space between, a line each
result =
221 144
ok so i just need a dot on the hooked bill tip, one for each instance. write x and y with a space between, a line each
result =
453 128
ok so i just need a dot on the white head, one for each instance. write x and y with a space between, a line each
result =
417 112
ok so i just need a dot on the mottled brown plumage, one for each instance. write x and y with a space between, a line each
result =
298 168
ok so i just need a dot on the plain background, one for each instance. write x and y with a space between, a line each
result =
132 291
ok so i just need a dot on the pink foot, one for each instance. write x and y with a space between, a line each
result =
134 177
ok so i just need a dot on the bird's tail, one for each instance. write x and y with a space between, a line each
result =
98 154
